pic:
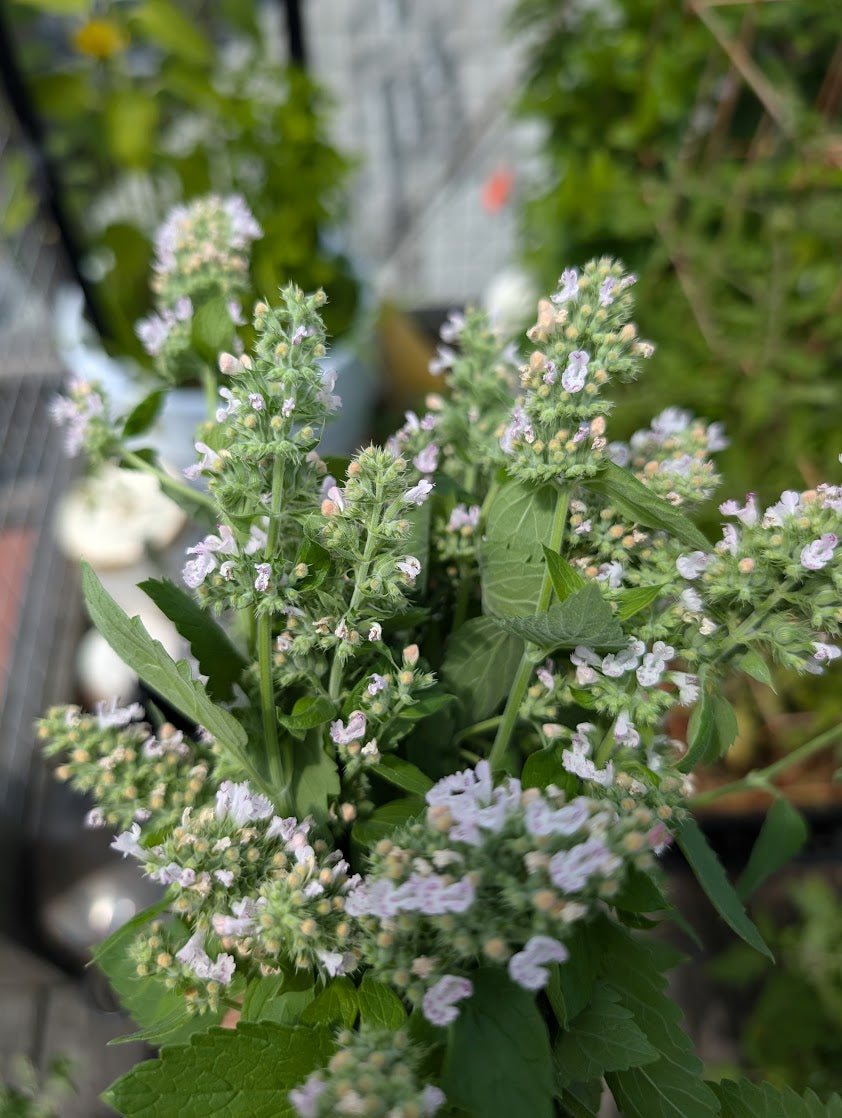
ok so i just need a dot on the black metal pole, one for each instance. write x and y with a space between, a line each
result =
47 181
295 32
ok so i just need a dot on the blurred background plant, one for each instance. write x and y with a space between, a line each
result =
803 989
700 143
30 1095
146 104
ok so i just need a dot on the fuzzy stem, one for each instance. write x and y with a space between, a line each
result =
167 482
526 667
279 753
209 385
762 778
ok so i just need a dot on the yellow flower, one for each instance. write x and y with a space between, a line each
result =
99 38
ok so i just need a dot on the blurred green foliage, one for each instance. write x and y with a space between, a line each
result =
30 1095
793 1031
700 143
148 103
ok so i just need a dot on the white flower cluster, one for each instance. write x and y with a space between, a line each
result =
495 872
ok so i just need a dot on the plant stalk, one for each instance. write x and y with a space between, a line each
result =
762 778
497 756
167 482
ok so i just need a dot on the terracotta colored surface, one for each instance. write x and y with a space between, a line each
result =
16 547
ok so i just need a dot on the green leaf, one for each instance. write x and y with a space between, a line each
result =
633 601
218 659
167 26
753 664
380 1006
711 730
602 1038
307 713
518 522
337 1004
172 681
316 778
144 414
571 984
670 1086
245 1072
631 498
212 329
782 835
640 892
583 618
711 876
479 666
417 542
743 1099
498 1062
159 1012
582 1100
566 579
544 767
383 820
271 999
403 774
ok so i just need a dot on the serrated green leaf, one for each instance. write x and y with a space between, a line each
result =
711 876
218 659
711 730
498 1062
670 1086
571 983
307 713
753 664
743 1099
631 498
316 778
383 820
518 523
144 414
782 835
479 666
583 618
245 1072
640 892
172 680
602 1038
337 1004
271 999
566 579
582 1100
380 1007
636 599
403 774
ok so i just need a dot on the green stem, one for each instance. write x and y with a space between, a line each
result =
497 756
335 683
279 753
752 623
478 728
196 496
209 385
762 778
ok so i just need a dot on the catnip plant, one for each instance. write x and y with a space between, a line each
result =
409 855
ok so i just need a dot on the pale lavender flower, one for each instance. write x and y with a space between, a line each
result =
196 570
378 683
550 373
688 687
439 1004
717 439
375 632
419 493
256 401
326 397
788 506
244 227
823 654
692 565
445 356
427 460
625 731
344 735
463 517
196 959
520 427
574 376
819 553
691 600
129 843
730 538
584 661
305 1098
570 869
748 514
432 1099
264 573
238 803
222 413
568 287
153 331
109 714
617 664
208 461
95 818
453 327
576 761
409 566
541 819
546 678
528 968
619 453
606 291
288 407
